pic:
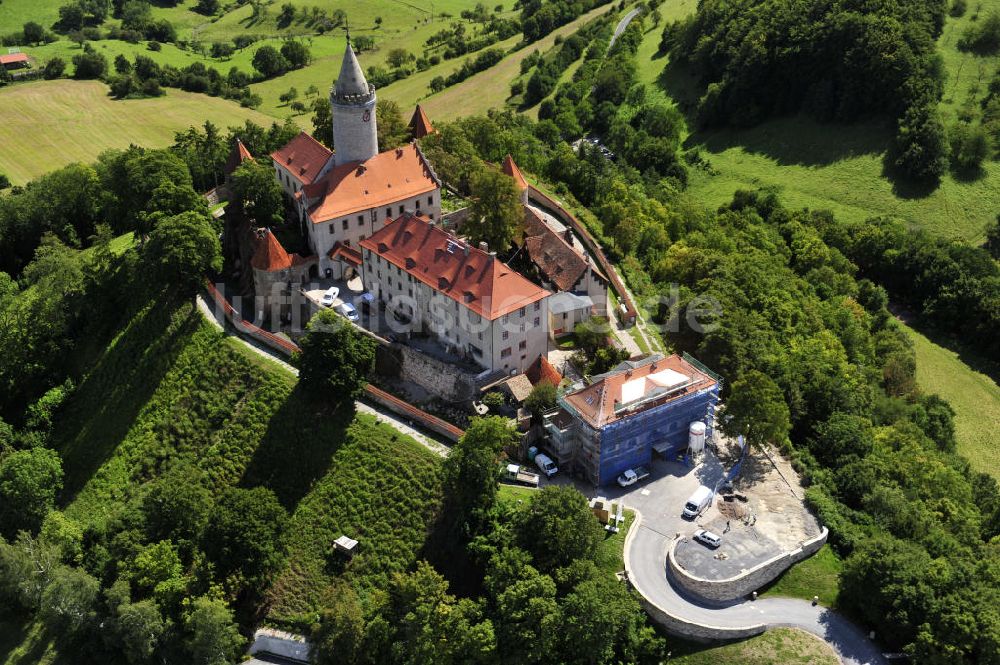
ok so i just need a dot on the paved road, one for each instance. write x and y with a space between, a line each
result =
381 414
622 24
645 559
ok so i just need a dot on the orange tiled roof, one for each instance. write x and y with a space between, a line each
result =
270 255
542 370
655 376
342 251
237 156
11 58
303 156
464 273
510 168
558 261
384 179
420 124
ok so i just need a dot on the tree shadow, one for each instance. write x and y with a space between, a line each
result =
109 399
968 355
903 186
298 448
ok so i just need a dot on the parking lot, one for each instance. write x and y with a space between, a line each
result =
771 520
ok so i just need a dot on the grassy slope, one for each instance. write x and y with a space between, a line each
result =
816 576
973 394
15 13
42 127
171 387
780 646
838 167
490 89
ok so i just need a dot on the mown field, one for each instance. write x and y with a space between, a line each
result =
973 394
45 125
171 389
837 167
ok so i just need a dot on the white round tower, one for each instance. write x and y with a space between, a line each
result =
352 105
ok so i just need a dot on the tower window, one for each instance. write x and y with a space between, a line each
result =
331 229
361 220
344 223
388 213
400 210
430 200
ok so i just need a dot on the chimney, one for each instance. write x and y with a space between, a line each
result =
493 255
568 235
484 246
466 249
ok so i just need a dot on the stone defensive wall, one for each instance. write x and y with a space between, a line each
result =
739 586
289 348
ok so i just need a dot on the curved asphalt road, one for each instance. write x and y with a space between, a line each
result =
645 561
622 24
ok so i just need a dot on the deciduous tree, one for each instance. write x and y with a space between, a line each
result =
336 359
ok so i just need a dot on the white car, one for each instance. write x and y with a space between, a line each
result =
330 295
708 538
347 309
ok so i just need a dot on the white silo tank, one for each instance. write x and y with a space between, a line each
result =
696 437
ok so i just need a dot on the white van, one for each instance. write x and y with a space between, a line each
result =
697 502
546 465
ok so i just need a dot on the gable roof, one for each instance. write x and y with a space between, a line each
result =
466 274
511 169
303 156
420 125
386 178
12 58
556 259
237 156
643 384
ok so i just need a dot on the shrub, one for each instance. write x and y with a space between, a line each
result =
54 68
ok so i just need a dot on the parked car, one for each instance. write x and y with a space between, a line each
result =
330 295
708 538
348 310
632 476
546 465
697 502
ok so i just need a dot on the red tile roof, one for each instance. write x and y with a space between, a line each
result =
270 256
542 370
13 58
303 156
510 168
465 274
558 261
342 251
237 156
420 124
655 382
384 179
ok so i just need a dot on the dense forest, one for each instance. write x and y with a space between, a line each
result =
839 61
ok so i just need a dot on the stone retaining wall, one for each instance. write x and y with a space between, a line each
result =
675 625
719 591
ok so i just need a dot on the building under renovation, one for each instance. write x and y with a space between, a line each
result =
624 416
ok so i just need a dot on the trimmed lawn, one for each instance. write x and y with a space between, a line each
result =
42 126
819 575
966 383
